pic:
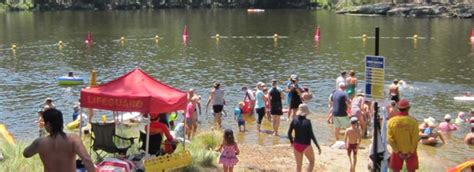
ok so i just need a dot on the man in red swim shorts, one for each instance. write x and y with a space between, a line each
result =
402 135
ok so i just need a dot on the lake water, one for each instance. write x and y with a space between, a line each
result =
438 66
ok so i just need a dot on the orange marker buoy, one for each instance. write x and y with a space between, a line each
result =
88 39
185 32
472 35
317 34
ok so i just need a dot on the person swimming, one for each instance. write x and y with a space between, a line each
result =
446 126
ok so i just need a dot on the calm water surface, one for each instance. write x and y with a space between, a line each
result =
438 67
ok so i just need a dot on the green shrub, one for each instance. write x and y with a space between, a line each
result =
14 160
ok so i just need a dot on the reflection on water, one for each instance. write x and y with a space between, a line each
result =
438 69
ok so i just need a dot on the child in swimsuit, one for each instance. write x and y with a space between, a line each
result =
352 138
239 117
229 151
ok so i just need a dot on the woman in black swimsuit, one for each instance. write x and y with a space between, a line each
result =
301 143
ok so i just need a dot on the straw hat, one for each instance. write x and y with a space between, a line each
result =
447 116
430 121
360 93
303 110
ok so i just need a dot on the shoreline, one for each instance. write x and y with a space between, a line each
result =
419 10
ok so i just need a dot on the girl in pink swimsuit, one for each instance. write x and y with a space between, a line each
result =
229 151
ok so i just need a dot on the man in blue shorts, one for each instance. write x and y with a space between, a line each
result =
340 102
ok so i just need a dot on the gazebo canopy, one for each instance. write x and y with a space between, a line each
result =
135 91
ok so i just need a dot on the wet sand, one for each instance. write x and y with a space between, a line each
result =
270 153
281 158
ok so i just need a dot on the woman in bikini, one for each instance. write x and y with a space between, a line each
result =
303 135
351 84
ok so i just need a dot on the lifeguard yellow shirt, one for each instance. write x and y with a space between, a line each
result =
402 134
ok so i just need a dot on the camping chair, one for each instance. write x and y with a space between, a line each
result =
154 148
103 136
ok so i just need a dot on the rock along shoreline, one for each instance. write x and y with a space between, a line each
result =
459 10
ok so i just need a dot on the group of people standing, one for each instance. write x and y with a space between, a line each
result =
268 102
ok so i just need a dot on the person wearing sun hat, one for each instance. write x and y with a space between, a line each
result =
357 104
301 142
402 135
447 126
260 100
48 104
428 135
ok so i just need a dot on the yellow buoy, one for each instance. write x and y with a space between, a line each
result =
13 46
157 37
218 36
61 43
122 39
275 35
415 36
364 36
93 81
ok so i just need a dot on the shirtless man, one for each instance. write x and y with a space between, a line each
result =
393 91
58 150
341 79
352 138
250 98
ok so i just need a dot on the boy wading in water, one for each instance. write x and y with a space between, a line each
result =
352 139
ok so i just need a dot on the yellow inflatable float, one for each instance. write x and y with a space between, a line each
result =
6 135
465 166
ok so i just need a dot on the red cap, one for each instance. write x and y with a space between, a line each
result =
403 104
